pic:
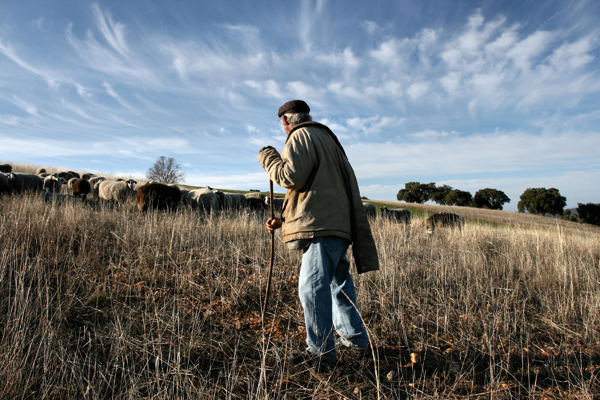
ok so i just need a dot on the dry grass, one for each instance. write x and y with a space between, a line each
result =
111 303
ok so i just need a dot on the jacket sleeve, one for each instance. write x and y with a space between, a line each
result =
293 168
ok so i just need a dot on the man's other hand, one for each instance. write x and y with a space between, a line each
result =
273 224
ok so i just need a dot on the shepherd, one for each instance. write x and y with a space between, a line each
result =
322 215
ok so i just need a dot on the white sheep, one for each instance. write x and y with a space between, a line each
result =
94 183
204 199
116 191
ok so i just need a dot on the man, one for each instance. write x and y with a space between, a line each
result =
322 215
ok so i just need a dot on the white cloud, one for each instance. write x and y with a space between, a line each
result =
269 88
11 120
370 26
527 50
113 32
29 108
572 56
111 92
431 134
417 90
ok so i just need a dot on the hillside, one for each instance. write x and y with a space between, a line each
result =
501 217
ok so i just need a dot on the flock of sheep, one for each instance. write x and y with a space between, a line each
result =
90 188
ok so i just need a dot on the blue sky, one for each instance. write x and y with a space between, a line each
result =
472 94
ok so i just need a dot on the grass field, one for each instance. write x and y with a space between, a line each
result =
107 302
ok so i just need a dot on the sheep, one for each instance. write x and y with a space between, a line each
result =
4 188
94 183
399 215
370 209
40 171
65 175
81 188
116 191
19 182
204 199
74 174
256 201
235 201
444 219
6 168
277 203
70 183
158 196
52 184
87 176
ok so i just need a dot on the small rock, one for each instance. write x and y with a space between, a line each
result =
391 376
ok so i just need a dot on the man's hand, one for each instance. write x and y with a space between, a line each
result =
273 224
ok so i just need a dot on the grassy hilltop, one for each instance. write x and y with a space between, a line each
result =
109 302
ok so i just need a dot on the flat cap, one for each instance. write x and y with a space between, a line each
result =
294 106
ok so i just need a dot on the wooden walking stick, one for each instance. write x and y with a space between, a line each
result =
272 254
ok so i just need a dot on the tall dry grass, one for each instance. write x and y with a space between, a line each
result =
108 302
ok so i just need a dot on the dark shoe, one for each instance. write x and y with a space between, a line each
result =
306 358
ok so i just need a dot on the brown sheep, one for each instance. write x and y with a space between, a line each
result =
81 188
158 196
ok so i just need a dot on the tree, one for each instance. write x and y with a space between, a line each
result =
490 198
542 201
166 170
589 213
459 198
415 192
440 193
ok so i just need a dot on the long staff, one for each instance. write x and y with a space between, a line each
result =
272 254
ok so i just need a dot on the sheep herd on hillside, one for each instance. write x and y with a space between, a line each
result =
92 189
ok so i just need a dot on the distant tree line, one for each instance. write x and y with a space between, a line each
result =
539 201
416 192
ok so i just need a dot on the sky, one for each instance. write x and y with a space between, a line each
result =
471 94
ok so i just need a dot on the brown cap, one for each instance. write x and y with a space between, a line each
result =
294 106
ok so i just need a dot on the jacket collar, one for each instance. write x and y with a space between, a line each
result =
318 125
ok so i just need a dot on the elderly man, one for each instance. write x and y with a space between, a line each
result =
322 215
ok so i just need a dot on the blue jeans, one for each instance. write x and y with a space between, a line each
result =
328 297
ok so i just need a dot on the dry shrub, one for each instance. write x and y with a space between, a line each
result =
107 302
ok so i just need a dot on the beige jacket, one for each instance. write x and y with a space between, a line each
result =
322 196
